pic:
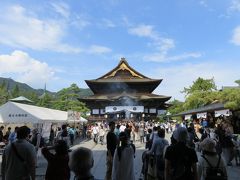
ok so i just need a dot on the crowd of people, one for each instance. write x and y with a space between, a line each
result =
193 153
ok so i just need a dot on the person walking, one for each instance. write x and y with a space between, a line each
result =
7 134
19 158
157 152
95 131
123 160
141 133
13 136
1 133
111 146
101 134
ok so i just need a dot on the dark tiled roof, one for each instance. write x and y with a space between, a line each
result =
210 107
139 96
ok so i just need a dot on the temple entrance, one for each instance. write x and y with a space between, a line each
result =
125 113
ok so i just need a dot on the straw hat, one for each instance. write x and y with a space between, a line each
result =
208 145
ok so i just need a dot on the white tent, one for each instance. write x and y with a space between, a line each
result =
13 112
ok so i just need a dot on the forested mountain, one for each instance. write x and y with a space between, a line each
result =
65 99
10 84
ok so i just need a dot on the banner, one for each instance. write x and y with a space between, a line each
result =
224 112
202 115
187 117
74 115
113 109
46 128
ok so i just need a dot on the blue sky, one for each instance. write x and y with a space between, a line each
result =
65 42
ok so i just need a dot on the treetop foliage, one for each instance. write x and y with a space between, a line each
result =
203 92
202 85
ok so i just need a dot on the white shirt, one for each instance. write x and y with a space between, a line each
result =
123 169
95 130
122 128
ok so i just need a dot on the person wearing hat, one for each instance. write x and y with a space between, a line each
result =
209 155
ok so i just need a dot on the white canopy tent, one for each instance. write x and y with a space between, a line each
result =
13 112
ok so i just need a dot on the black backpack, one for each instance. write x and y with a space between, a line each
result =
214 173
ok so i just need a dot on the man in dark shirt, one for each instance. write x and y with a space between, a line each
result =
111 146
1 133
180 160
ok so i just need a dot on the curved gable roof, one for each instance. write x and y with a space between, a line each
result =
123 66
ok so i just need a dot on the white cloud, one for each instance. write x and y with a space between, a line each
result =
236 36
79 21
203 3
96 49
176 77
235 6
159 57
143 31
108 23
20 27
25 69
62 8
161 45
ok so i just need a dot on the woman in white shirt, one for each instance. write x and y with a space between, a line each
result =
123 160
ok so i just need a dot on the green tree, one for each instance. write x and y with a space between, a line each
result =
176 106
198 99
200 93
15 91
231 98
202 85
45 101
4 95
238 82
67 100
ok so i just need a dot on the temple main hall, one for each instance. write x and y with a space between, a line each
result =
124 94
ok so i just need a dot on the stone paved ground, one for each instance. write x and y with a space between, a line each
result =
99 169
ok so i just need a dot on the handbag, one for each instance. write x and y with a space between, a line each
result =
22 160
152 171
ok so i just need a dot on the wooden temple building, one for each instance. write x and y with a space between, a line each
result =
122 94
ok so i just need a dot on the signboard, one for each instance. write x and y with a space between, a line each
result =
74 115
161 112
202 115
102 111
46 128
224 112
95 111
152 110
187 117
112 109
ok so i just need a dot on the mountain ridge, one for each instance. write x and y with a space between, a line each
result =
11 84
